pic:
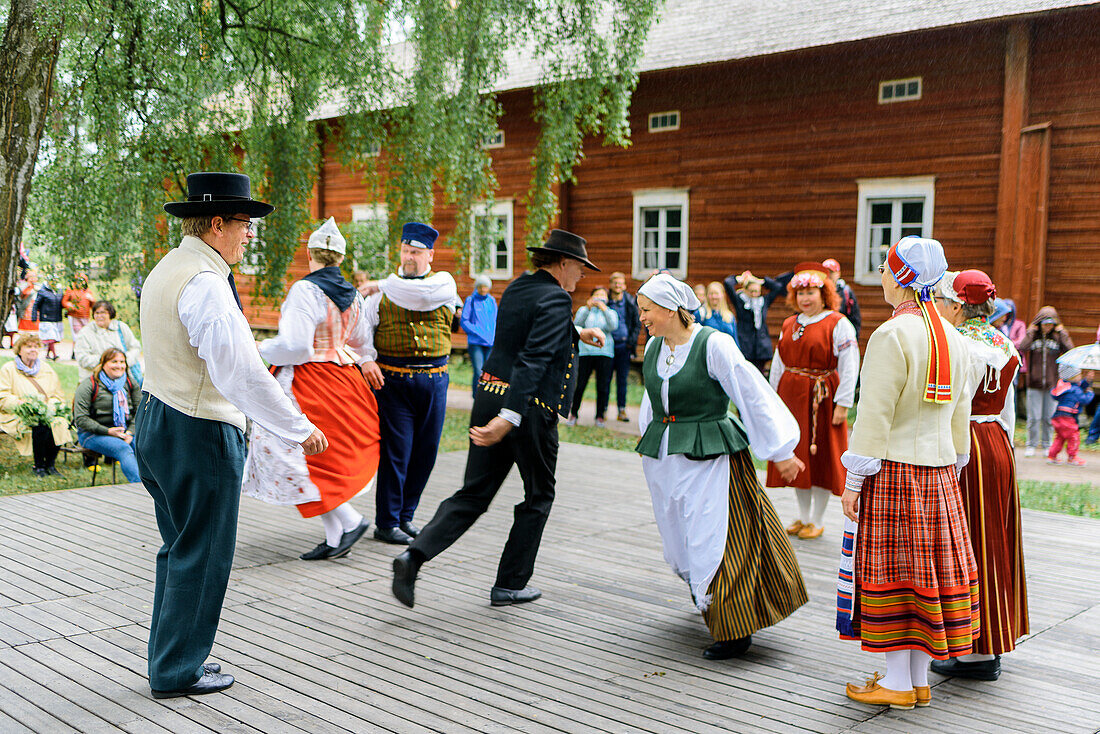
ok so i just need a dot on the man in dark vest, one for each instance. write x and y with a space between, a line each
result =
410 318
527 382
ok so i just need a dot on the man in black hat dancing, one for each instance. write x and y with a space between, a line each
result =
527 382
203 375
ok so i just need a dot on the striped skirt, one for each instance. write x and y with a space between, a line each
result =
992 502
916 581
758 582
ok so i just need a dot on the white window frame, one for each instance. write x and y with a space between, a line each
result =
651 198
492 140
369 212
871 189
654 115
905 97
500 208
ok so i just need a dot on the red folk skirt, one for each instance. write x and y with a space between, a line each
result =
916 580
337 399
992 502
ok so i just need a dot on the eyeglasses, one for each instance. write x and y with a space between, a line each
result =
251 228
882 268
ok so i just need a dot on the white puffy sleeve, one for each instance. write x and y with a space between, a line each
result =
645 411
298 321
776 371
368 324
773 431
361 335
846 349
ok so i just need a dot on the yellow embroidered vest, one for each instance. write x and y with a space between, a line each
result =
404 333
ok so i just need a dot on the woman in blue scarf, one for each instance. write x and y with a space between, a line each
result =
104 411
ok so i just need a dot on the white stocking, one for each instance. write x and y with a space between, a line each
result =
348 517
333 528
821 499
918 667
898 676
804 498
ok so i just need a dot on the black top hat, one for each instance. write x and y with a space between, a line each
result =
218 193
568 244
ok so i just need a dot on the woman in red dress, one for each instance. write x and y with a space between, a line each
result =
814 370
990 495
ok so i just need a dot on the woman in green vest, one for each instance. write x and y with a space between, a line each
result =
719 530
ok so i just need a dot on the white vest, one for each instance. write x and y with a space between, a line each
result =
173 371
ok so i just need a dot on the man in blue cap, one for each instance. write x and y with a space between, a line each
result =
410 320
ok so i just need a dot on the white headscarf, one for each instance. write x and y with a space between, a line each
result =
328 237
667 292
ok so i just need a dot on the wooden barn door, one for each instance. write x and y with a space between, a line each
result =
1029 240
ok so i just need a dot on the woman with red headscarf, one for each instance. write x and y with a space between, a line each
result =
814 370
913 592
988 483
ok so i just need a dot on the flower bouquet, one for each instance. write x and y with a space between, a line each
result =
34 411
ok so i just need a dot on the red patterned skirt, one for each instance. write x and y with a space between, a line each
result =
916 580
992 502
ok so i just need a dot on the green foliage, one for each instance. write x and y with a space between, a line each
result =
368 248
149 90
34 411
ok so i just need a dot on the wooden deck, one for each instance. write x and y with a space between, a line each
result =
614 645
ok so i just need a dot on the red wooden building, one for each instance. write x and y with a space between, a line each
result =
769 133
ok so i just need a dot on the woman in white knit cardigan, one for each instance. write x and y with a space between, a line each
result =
103 333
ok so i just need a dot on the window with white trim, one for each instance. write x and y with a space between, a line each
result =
491 240
660 232
368 238
889 209
660 122
900 90
494 139
373 213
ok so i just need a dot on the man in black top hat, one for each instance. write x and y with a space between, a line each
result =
527 381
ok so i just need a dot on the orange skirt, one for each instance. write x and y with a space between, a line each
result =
337 399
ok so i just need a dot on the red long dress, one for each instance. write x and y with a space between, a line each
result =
991 500
808 362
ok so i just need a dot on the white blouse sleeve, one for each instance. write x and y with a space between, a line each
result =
776 371
361 336
365 332
218 329
645 411
298 320
773 431
846 349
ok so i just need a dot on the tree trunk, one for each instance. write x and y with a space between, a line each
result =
27 60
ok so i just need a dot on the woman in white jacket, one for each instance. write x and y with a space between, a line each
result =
105 332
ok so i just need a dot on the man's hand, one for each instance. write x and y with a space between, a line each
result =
316 443
789 469
593 336
373 374
840 415
369 288
850 502
491 433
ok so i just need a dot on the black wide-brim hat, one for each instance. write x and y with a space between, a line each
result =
568 244
211 193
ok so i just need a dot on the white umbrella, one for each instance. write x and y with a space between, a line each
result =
1083 358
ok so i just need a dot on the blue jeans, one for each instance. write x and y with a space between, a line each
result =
116 448
1094 428
478 355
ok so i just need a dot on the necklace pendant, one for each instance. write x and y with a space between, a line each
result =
670 359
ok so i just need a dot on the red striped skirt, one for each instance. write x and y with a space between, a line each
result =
916 577
992 502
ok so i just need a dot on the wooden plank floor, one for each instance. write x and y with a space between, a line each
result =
614 645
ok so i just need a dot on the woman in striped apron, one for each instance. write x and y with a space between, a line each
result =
719 530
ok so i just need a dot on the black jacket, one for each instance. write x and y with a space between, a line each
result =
849 306
755 343
47 306
536 344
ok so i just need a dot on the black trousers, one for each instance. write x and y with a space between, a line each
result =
533 449
43 447
601 365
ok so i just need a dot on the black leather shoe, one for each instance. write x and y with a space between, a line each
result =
40 472
409 529
54 471
323 550
501 597
981 670
726 649
405 568
350 538
395 536
211 667
208 683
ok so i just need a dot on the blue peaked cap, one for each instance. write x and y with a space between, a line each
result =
418 235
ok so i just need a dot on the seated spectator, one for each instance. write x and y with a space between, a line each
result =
26 377
106 332
104 410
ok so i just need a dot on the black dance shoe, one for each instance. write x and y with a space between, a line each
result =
53 470
393 536
405 568
211 668
981 670
350 538
323 550
208 683
501 597
726 649
409 529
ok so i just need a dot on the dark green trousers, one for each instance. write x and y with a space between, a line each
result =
192 469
